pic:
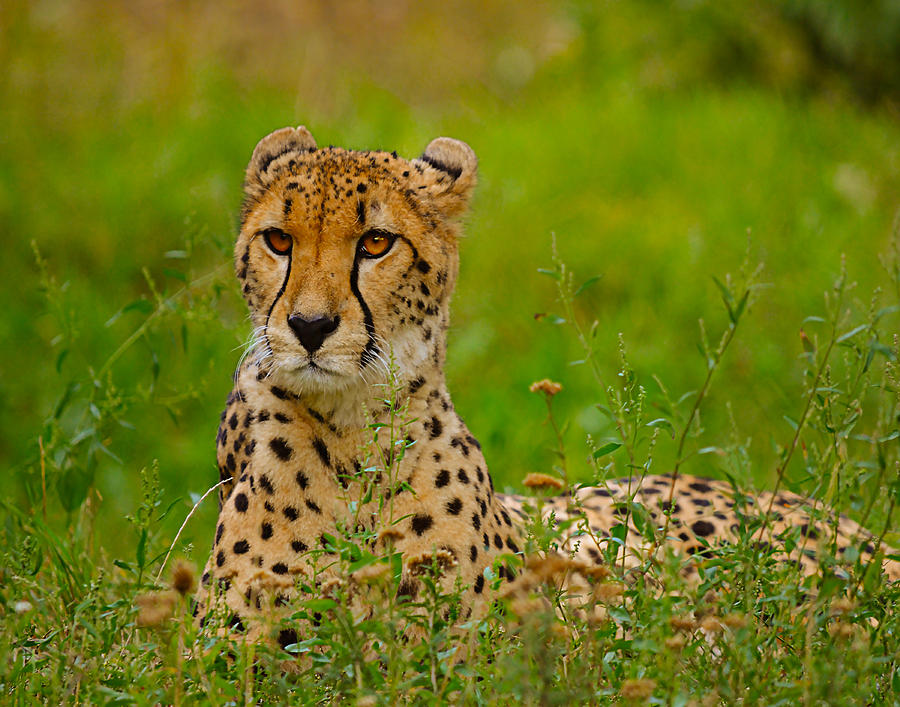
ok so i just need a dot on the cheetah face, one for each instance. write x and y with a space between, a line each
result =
347 259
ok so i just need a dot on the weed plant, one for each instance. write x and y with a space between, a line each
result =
81 627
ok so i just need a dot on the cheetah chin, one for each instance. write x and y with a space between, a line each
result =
347 261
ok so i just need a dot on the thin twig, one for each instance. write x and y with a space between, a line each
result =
178 534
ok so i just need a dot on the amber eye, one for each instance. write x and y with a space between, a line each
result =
374 244
278 241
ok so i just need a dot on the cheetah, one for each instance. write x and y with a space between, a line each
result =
347 261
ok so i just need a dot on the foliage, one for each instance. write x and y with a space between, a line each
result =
649 137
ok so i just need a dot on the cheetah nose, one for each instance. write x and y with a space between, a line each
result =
312 332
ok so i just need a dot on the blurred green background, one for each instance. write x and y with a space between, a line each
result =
649 137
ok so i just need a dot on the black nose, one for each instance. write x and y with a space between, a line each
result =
312 332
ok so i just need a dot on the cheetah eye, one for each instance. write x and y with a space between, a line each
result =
374 244
279 242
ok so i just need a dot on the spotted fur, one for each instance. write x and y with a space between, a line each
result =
293 447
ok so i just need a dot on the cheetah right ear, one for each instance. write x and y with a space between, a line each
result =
273 146
449 171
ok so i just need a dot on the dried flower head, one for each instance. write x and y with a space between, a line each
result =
675 643
371 573
607 591
683 623
545 386
841 630
22 606
735 621
389 536
443 560
543 481
184 577
154 607
711 624
637 689
842 606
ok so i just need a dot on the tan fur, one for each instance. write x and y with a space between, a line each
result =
294 450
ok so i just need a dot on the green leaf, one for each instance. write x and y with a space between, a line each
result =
319 604
72 487
664 423
139 305
549 273
853 332
176 274
587 283
727 298
606 449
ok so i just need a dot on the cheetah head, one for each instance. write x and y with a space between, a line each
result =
347 258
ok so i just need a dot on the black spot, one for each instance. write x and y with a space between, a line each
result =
421 522
453 170
479 474
287 637
263 415
220 558
506 518
498 541
281 448
266 485
288 203
442 479
700 502
462 476
290 513
473 553
474 442
423 267
269 507
809 532
233 421
236 624
241 547
454 507
511 545
279 392
302 480
436 428
313 506
415 384
479 584
281 417
361 188
483 508
703 528
229 462
219 530
298 546
476 521
266 532
279 568
322 451
240 502
700 486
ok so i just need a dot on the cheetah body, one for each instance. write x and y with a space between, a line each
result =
295 446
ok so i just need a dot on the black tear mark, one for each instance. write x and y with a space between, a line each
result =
361 212
370 352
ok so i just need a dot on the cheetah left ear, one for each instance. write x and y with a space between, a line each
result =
448 174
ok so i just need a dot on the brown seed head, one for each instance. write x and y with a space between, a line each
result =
543 481
683 623
545 386
639 689
154 607
184 577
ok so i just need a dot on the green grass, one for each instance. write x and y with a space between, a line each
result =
123 139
